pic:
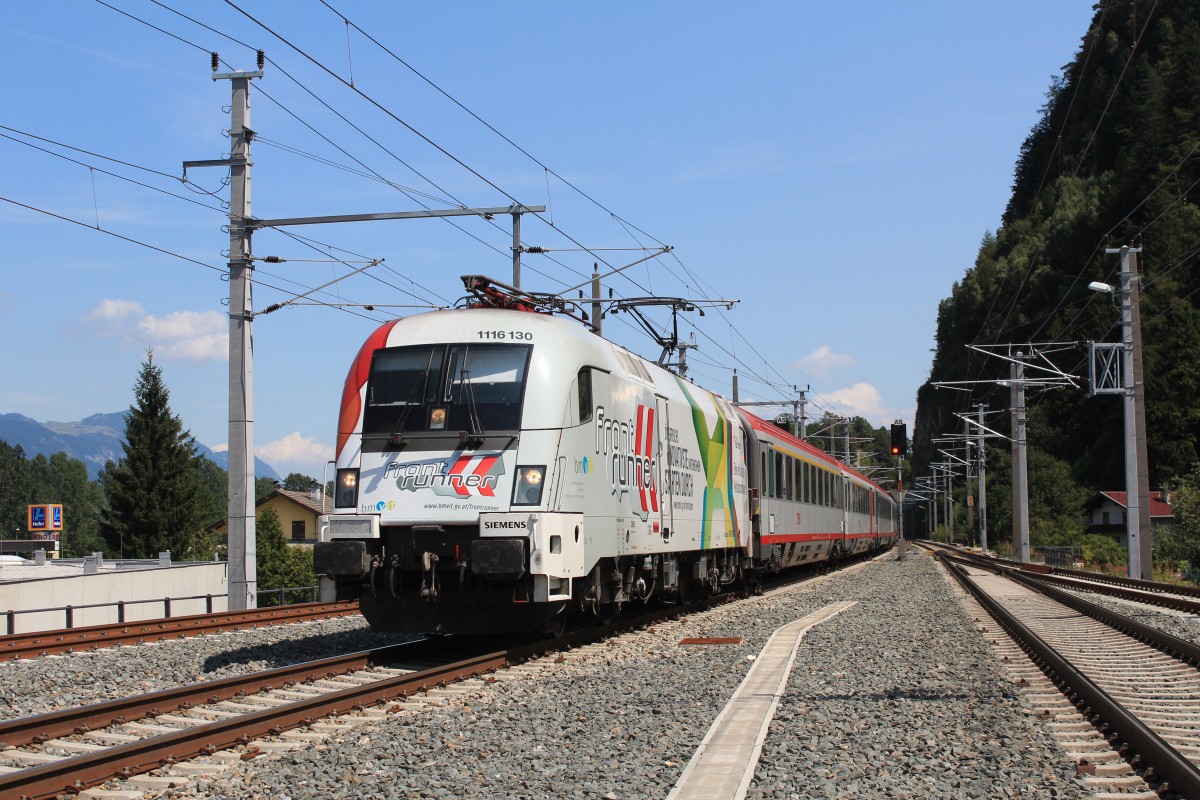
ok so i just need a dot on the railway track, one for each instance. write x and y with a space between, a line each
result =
1163 595
49 755
1139 687
32 645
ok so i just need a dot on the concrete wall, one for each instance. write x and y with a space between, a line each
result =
111 586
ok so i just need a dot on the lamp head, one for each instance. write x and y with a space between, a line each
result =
1098 286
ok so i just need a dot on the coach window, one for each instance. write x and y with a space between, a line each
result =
778 476
585 394
766 483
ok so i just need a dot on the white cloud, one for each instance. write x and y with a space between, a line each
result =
295 450
861 400
188 335
822 361
220 448
114 310
181 335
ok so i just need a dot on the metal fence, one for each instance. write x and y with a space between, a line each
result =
1058 556
266 597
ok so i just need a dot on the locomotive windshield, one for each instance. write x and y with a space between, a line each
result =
473 388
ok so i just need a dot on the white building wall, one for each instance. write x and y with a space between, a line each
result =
177 581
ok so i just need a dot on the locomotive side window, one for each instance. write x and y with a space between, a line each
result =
585 394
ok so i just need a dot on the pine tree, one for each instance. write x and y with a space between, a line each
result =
16 491
154 498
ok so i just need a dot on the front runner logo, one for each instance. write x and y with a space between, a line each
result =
460 475
630 453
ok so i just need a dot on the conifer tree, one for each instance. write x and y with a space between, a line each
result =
279 565
153 493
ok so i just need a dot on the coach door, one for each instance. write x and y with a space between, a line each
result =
665 521
846 545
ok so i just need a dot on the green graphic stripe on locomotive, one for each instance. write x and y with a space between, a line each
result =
720 439
729 482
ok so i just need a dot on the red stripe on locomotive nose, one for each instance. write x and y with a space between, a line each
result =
483 469
457 469
650 451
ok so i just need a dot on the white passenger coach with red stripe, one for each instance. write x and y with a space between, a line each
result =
499 469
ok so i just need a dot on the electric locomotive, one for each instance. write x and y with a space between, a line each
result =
498 468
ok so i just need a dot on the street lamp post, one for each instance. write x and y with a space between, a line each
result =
1137 484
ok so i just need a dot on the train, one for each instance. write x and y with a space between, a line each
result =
501 468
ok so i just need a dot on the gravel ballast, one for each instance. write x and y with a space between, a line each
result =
897 697
52 683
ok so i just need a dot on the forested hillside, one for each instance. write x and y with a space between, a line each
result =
1114 160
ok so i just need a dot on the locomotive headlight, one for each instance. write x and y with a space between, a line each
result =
527 488
437 419
345 494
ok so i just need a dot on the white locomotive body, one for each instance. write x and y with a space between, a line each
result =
498 468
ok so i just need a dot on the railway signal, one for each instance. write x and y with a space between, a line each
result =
899 439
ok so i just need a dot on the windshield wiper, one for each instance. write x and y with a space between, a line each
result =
468 388
418 391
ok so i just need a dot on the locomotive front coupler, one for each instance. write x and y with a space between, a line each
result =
429 563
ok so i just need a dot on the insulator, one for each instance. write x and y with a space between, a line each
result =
216 61
261 59
274 259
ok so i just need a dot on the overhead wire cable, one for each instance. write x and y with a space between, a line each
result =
383 109
330 72
111 174
201 49
29 135
1079 164
478 118
401 121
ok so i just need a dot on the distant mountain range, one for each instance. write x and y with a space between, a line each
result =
93 440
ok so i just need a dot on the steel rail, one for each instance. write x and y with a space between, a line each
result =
1081 581
75 773
71 775
27 645
1155 587
1119 590
41 728
1151 587
1112 719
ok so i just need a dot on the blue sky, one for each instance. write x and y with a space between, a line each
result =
831 166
